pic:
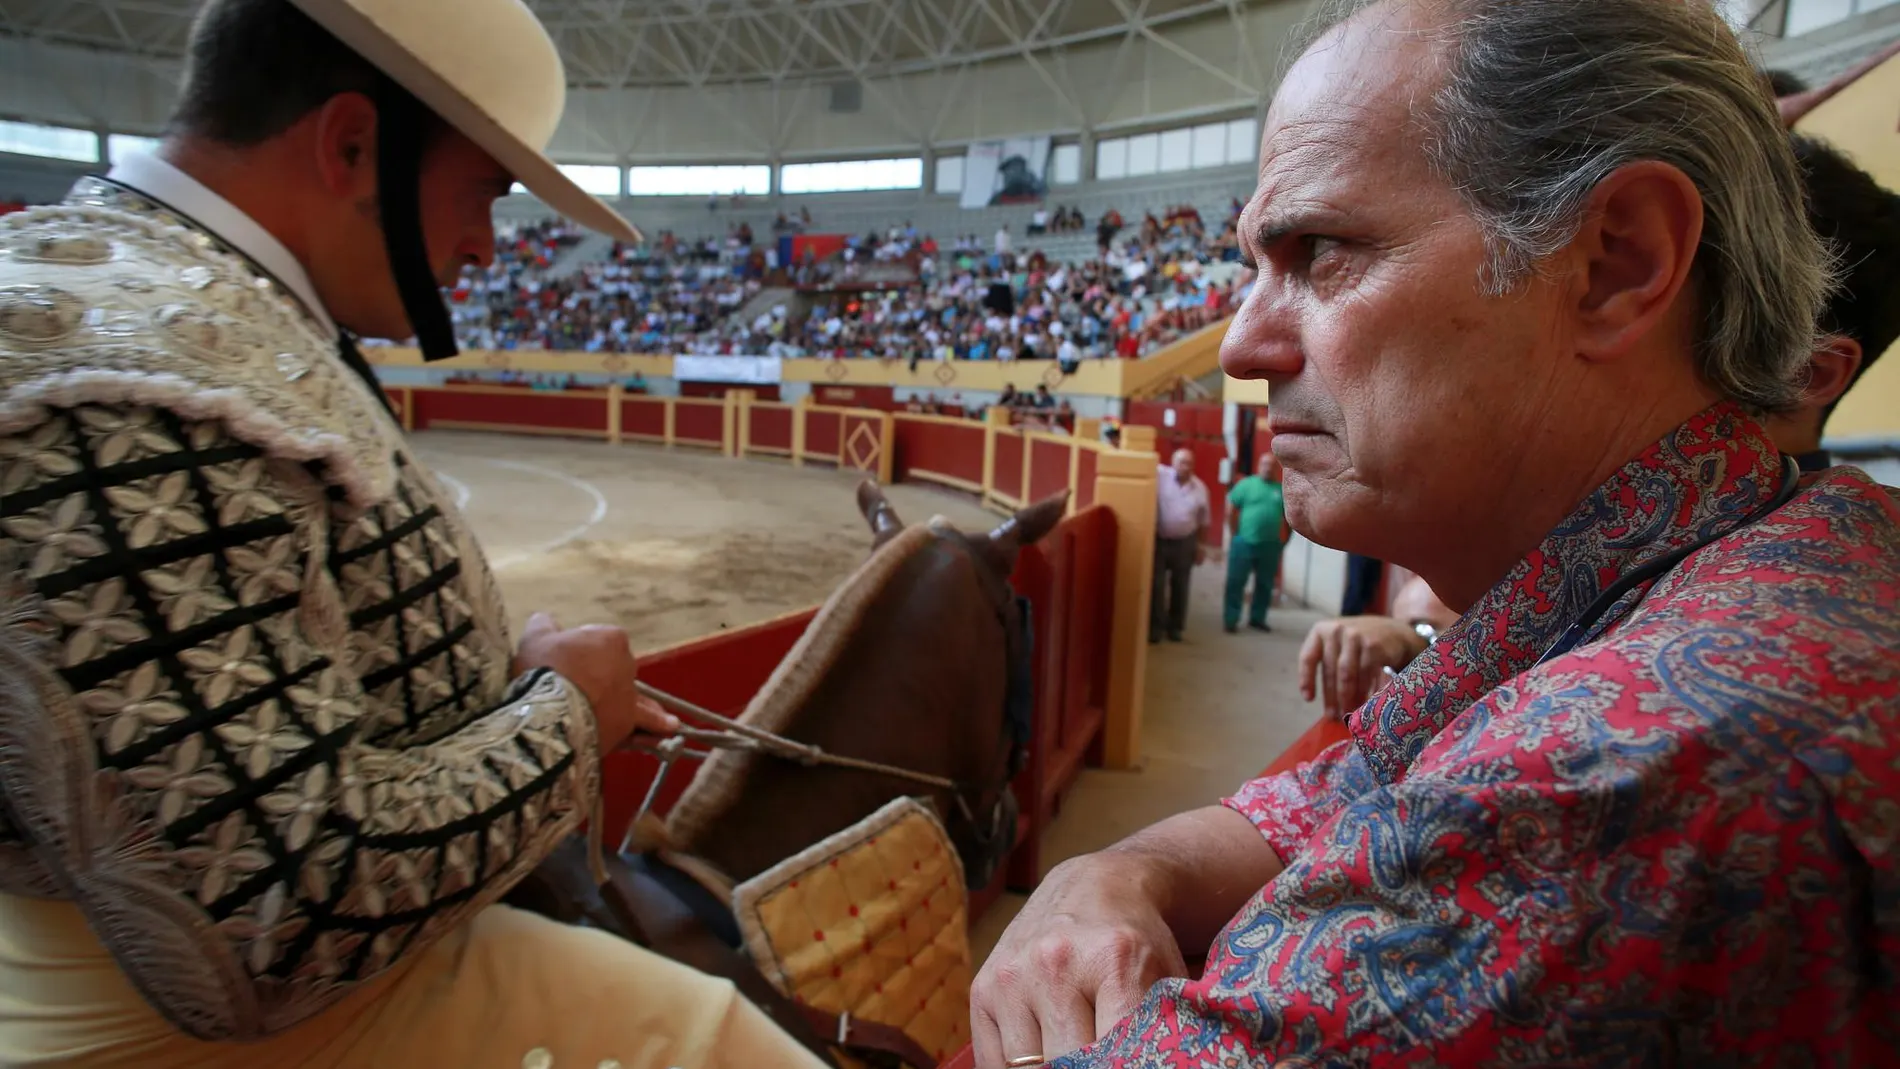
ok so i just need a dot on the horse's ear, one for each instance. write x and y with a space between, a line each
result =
1027 527
878 513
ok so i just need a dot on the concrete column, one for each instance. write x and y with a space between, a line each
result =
1087 144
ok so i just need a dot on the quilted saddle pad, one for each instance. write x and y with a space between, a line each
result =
870 921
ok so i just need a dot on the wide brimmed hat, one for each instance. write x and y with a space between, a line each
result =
489 69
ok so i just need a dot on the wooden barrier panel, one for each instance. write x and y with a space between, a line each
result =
699 422
1068 578
1047 461
644 418
769 428
581 413
823 434
720 672
1006 469
940 449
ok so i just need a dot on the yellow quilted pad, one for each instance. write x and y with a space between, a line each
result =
873 921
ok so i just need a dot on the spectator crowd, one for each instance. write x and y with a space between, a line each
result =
895 295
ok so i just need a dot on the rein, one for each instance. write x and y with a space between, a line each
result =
733 735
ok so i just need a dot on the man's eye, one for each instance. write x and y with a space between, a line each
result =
1317 246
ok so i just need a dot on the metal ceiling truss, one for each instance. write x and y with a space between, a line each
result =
624 43
915 60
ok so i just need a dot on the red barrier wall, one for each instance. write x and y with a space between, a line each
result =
1009 465
720 672
702 424
771 428
953 449
581 411
644 416
1048 468
1085 480
822 435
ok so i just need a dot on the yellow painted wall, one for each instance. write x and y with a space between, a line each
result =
1863 120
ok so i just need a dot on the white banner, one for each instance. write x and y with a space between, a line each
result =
747 370
1015 171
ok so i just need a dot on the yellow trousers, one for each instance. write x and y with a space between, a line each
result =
510 990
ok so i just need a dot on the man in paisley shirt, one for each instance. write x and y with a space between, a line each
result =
268 754
1530 273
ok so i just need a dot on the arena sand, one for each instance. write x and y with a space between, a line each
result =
671 545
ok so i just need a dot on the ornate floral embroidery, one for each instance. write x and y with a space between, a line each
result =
1674 845
277 748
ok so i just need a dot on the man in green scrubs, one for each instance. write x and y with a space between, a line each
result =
1257 516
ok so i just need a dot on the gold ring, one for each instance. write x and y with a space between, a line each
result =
1027 1061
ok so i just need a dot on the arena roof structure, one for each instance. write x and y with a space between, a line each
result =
678 82
713 80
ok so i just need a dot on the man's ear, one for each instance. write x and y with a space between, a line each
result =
1831 368
345 128
1634 252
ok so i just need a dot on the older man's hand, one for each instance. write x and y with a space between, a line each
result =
1345 659
1076 960
1104 927
598 660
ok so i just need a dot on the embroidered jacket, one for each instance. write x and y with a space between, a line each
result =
255 711
1675 845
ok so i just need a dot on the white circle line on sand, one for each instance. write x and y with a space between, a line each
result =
599 513
457 487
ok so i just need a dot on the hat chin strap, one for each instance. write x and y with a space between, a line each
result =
399 136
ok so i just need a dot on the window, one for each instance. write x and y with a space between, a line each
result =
844 176
1243 142
752 180
601 181
1210 145
1177 149
53 142
1111 158
1066 168
1807 15
1143 151
949 174
119 146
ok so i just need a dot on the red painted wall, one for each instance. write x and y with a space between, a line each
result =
699 423
771 427
581 410
946 449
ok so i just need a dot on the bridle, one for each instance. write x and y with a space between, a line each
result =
726 733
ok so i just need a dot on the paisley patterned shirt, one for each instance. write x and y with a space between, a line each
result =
1674 845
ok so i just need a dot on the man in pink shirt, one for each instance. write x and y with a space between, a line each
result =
1181 504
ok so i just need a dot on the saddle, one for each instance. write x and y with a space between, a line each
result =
652 903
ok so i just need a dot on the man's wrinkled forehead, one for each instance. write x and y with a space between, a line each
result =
1357 92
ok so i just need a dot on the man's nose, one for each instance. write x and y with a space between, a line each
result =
1263 340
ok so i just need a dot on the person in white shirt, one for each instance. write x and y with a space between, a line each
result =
1002 240
1181 515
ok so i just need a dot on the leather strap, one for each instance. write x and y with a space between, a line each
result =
859 1036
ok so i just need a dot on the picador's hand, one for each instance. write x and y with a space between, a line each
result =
1073 963
598 660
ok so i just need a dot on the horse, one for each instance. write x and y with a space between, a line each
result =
915 673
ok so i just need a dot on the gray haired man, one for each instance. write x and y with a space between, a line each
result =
1529 272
